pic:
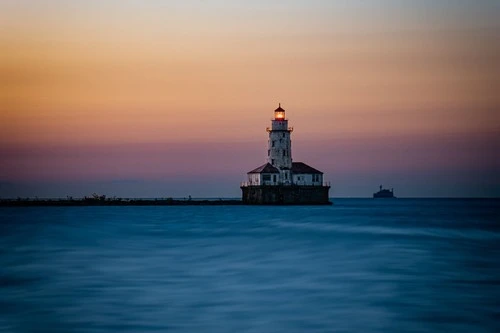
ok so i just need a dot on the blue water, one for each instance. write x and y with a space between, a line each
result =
361 265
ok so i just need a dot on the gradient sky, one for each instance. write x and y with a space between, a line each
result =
172 98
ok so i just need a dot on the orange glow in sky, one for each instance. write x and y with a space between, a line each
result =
100 73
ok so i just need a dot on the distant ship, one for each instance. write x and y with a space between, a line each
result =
384 193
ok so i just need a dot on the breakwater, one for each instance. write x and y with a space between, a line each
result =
116 202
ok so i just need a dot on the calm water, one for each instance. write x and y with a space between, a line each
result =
364 265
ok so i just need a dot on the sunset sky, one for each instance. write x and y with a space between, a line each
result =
172 98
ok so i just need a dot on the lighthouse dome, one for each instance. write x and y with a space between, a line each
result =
279 113
279 108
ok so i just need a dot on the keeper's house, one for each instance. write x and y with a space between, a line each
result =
281 181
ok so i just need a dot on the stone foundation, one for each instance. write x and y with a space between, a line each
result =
285 195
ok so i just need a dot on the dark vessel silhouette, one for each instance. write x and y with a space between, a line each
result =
384 193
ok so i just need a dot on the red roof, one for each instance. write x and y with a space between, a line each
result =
266 168
299 167
279 108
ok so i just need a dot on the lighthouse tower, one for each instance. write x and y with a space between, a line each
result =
281 181
280 145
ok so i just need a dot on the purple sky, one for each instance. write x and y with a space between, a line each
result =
437 166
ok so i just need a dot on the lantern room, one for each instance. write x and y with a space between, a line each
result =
279 113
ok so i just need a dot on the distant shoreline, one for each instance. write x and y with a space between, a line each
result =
116 202
122 202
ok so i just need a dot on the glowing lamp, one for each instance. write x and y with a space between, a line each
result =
279 113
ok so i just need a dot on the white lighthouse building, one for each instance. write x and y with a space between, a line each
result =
281 180
279 152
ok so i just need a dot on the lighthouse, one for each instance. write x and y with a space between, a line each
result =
280 145
280 180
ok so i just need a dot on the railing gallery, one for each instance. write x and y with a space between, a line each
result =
270 129
268 183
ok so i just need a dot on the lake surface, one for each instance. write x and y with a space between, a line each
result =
361 265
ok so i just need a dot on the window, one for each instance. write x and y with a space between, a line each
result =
272 161
268 152
283 134
274 178
273 143
266 178
284 153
